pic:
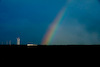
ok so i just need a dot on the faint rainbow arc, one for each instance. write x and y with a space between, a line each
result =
53 27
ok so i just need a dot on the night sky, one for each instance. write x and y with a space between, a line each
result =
30 19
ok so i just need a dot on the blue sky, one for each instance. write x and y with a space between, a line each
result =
29 20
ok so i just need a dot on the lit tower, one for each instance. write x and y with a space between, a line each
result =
18 41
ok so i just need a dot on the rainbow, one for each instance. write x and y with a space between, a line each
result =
53 27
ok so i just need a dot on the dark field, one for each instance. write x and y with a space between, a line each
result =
48 46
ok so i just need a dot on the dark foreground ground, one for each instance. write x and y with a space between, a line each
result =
16 55
47 46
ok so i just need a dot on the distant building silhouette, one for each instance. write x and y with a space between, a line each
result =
10 42
6 42
2 43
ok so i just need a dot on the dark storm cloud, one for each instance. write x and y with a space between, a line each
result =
81 24
88 14
30 19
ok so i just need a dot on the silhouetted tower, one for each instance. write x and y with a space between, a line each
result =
18 41
10 42
2 43
6 42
